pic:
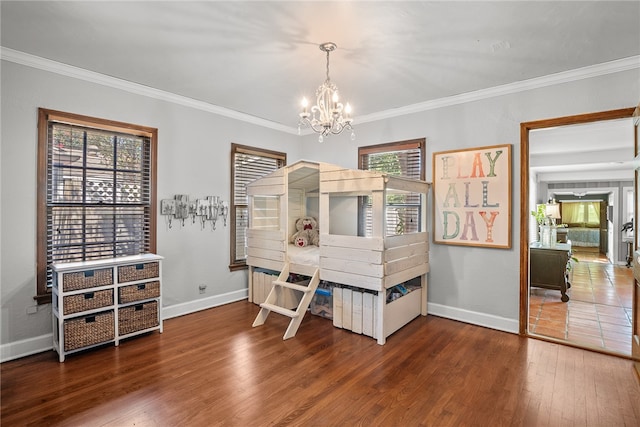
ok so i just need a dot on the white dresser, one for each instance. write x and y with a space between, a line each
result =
104 301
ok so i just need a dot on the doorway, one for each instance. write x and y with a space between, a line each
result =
548 170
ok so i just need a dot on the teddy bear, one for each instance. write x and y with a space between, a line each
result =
301 238
307 232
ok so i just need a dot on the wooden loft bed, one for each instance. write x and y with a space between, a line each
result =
390 255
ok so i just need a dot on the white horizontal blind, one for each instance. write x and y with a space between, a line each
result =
249 164
98 194
404 159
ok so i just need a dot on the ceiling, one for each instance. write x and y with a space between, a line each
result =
597 151
260 58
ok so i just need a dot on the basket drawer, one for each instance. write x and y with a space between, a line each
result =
87 279
139 292
137 317
131 273
89 330
87 301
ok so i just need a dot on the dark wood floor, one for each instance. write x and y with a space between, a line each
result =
212 368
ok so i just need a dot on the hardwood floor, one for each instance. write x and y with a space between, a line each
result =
213 368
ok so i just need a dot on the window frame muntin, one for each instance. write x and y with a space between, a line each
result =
45 116
234 264
388 147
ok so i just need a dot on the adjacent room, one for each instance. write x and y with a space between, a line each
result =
582 177
319 213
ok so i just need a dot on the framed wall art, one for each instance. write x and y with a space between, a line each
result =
472 197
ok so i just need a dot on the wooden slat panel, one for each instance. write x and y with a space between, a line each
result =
355 254
402 264
405 239
267 181
361 186
303 164
276 245
327 167
266 234
324 216
422 249
351 266
399 312
264 263
349 174
355 242
378 214
271 223
403 276
267 254
266 190
296 209
398 183
366 282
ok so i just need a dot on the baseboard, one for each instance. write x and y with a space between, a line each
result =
474 318
26 347
30 346
177 310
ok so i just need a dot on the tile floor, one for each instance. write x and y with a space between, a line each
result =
598 313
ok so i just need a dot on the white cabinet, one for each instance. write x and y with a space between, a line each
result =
106 300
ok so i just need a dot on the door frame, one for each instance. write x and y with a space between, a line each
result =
525 128
635 310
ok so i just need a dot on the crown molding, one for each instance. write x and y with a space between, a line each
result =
625 64
138 89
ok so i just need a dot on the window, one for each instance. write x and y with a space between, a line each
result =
405 159
96 191
582 214
247 165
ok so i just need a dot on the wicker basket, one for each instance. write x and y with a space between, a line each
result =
137 317
87 301
139 292
131 273
89 330
87 279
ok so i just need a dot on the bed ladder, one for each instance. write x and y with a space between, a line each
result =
296 315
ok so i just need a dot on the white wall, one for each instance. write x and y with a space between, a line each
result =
473 284
468 283
193 158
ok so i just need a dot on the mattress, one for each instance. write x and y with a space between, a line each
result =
308 255
582 236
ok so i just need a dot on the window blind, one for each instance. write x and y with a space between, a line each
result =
98 194
248 164
404 159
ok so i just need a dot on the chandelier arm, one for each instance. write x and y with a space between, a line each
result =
317 127
326 117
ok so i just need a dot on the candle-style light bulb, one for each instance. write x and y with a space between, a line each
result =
347 110
305 104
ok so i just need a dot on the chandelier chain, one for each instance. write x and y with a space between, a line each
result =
328 65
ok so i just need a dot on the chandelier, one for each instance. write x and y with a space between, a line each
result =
328 116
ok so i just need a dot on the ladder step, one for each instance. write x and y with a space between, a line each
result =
293 286
280 310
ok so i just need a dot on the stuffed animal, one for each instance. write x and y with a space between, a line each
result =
301 238
307 229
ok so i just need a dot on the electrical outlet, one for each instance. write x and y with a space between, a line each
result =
202 288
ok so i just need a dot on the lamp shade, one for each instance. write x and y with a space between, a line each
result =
553 211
